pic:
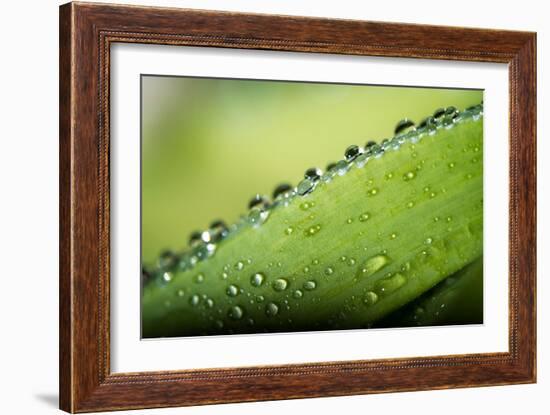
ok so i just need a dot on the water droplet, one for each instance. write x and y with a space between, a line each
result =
349 221
280 284
257 216
194 300
259 298
373 191
209 303
451 111
307 205
180 292
410 204
370 298
449 219
282 189
329 271
363 217
297 294
393 236
167 276
389 176
390 284
428 241
195 239
386 144
352 152
305 186
236 312
239 265
206 237
306 269
342 167
433 194
199 278
258 201
312 230
404 126
232 290
409 176
375 151
271 309
425 122
369 144
436 219
315 262
310 285
451 165
373 265
439 114
257 279
313 174
167 259
362 159
289 230
218 230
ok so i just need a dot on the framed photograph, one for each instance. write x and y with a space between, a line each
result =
259 207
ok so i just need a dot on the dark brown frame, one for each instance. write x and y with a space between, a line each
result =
86 33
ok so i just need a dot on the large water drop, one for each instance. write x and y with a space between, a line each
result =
372 265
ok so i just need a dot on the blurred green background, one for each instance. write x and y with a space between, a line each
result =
209 145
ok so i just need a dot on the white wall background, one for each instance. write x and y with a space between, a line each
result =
29 208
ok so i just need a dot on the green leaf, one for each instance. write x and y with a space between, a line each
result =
457 299
358 247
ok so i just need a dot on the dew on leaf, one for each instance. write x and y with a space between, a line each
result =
297 294
312 230
280 284
271 309
236 312
257 279
409 176
370 298
194 300
372 265
363 217
390 284
232 290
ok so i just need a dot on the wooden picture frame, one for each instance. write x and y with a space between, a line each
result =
86 33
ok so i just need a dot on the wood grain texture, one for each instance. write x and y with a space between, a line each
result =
86 33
